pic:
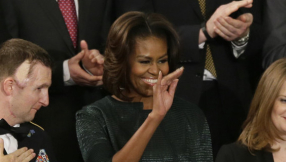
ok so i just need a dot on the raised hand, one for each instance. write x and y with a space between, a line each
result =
163 93
79 75
224 11
20 155
92 60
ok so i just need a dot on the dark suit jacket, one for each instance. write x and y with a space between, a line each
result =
237 153
232 74
275 29
41 22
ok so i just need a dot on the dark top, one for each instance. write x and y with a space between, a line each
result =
38 140
239 153
105 126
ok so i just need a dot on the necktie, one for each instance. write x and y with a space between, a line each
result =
209 64
18 132
68 10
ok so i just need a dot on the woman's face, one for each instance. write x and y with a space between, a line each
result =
278 114
148 58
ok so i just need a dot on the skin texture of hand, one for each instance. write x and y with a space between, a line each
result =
92 60
20 155
231 29
227 24
164 91
79 75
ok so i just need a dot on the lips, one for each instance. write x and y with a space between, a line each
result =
36 109
150 81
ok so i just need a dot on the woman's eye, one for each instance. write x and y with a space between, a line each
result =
283 100
144 62
163 61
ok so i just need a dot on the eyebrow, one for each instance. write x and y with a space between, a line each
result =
44 85
150 57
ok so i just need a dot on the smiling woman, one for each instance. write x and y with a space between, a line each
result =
264 134
142 120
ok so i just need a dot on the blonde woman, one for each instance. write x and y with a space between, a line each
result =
263 138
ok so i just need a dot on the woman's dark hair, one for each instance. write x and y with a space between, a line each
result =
121 41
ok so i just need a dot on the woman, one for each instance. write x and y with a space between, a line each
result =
264 136
142 121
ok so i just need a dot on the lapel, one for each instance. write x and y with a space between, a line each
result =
195 5
52 11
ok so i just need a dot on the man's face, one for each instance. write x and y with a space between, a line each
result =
30 92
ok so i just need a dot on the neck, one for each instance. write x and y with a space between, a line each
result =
280 154
6 114
147 101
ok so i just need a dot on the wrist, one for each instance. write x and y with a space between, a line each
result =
155 117
205 32
241 41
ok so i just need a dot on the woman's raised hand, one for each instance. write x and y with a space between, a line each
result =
163 93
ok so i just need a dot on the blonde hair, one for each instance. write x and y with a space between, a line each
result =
259 131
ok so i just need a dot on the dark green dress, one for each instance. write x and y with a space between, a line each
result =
105 126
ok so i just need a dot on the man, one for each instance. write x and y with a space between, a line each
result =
222 90
25 78
45 23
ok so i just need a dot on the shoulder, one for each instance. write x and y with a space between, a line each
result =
33 126
101 104
237 152
187 107
234 147
35 130
231 151
36 126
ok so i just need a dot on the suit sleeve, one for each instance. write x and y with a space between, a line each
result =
275 23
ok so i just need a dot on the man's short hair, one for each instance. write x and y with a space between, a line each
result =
15 51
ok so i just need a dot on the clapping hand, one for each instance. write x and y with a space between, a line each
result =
229 28
79 75
93 60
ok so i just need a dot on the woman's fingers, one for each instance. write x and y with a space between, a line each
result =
168 79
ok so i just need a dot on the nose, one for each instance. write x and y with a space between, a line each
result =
45 99
154 69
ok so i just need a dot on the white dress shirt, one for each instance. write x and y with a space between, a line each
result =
10 142
237 52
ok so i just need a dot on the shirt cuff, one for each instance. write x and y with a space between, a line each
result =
201 46
238 50
67 78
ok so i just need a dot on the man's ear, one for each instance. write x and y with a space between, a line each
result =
8 85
